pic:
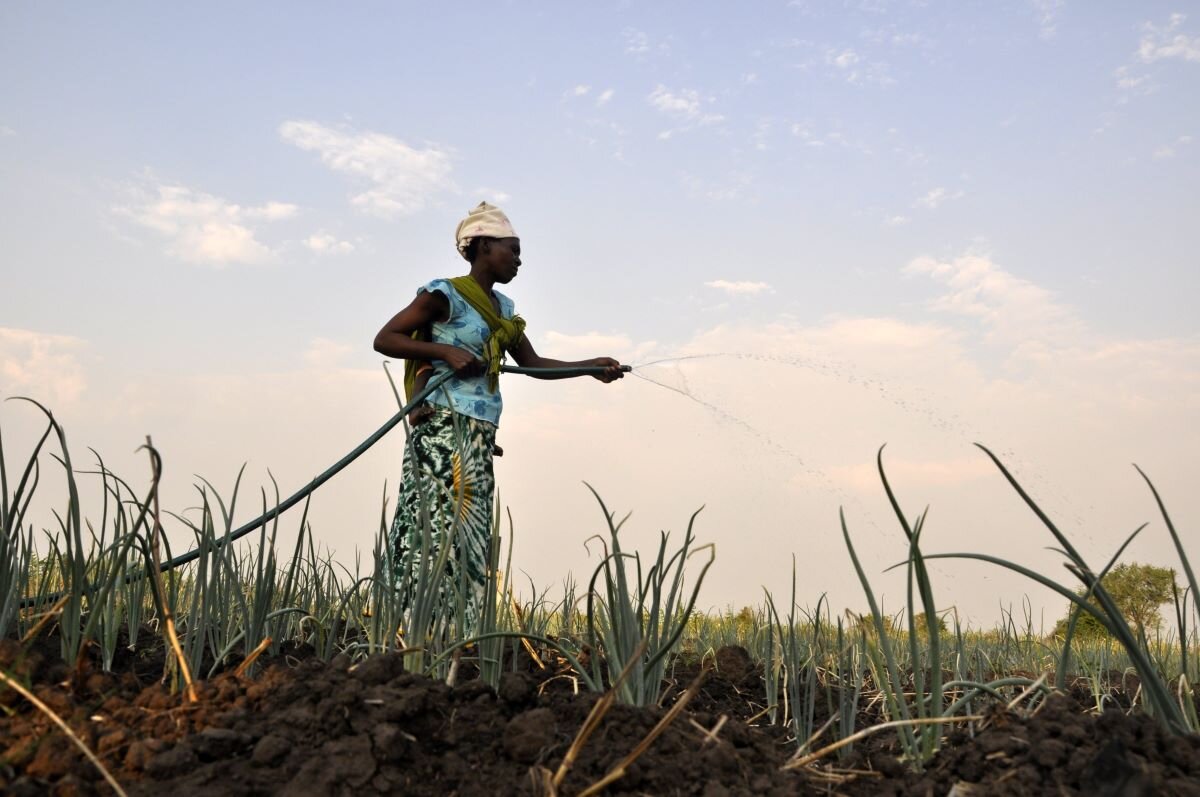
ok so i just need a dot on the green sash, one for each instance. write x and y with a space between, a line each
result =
506 333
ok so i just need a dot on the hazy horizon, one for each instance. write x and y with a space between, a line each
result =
841 224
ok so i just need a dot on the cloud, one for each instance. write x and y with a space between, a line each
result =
786 425
325 244
402 179
762 132
492 194
272 211
733 186
604 98
638 43
202 228
594 344
857 70
1169 150
1009 309
685 104
890 35
936 196
580 90
1168 41
1046 12
1129 82
843 60
41 366
896 221
6 131
742 288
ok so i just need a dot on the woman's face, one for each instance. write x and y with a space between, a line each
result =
504 259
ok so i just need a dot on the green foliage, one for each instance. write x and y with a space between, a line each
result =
1138 590
923 625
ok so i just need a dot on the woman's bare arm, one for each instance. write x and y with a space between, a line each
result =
525 356
395 339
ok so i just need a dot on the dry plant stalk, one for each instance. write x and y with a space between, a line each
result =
618 772
525 642
542 782
42 707
168 619
254 654
710 736
1028 691
45 618
599 709
796 763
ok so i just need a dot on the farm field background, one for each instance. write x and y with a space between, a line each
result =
907 442
244 672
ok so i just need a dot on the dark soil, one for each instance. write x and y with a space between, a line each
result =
305 727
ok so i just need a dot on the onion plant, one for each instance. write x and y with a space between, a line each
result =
799 654
638 619
1160 701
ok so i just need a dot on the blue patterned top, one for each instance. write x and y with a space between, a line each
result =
465 329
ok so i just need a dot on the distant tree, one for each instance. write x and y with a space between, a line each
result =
1138 590
923 629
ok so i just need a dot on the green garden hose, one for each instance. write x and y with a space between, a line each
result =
336 467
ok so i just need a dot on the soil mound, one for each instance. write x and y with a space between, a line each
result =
311 728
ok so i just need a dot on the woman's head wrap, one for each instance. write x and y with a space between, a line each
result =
484 221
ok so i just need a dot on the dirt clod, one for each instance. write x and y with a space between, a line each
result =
373 729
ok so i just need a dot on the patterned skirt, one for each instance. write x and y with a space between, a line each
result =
448 471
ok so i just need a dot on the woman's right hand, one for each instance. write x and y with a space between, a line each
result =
462 362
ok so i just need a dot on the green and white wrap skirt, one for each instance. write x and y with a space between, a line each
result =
447 470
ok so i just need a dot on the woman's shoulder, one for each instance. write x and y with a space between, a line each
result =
439 285
507 308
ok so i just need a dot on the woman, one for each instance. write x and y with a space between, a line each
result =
463 326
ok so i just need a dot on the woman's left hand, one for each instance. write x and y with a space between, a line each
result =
612 369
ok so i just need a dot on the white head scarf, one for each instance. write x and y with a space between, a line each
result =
484 221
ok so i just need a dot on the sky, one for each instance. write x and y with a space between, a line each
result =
915 223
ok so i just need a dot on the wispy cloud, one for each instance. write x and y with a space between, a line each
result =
761 135
733 186
896 221
937 196
640 44
604 98
594 344
489 194
636 41
856 69
740 288
200 227
1010 308
41 366
843 60
805 132
1046 13
580 90
322 243
402 179
685 105
1161 42
1131 82
1170 150
897 38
